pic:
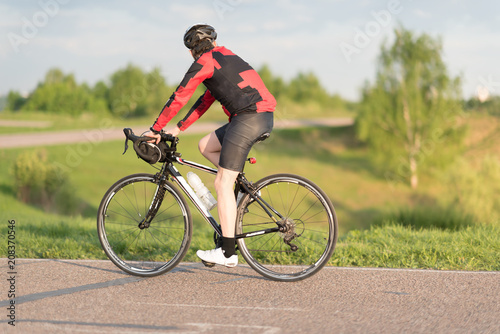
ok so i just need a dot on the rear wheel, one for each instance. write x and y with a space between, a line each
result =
308 222
133 247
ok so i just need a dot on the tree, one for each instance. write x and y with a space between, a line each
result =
100 90
134 92
307 87
276 85
61 94
15 101
409 116
490 106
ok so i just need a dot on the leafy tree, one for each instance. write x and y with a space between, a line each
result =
15 101
100 91
276 85
490 106
134 92
61 94
409 115
306 87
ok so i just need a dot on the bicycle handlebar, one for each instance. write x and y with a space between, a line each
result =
164 136
129 135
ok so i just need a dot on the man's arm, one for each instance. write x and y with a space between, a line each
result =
198 109
197 73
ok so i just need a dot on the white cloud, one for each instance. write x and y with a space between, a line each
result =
422 14
10 18
246 28
274 25
195 13
94 38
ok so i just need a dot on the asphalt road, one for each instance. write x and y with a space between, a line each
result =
71 296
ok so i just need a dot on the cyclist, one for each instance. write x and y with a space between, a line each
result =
249 106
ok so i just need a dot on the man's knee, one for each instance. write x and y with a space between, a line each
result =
201 147
225 179
209 144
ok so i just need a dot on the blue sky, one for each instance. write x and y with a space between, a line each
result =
337 40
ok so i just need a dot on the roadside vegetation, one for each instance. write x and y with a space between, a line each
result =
414 188
381 223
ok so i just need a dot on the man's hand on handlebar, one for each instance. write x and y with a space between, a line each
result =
173 131
152 135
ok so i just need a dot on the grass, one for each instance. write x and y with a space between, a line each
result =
447 218
402 238
390 246
397 246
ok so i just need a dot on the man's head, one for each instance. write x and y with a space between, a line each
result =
200 38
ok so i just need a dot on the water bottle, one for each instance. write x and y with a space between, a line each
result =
201 191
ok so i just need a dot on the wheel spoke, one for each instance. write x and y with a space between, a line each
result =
309 223
152 250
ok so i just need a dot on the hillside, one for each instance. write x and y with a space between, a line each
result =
331 157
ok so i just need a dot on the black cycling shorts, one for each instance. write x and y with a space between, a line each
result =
238 137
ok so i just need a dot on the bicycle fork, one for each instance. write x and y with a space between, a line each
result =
155 204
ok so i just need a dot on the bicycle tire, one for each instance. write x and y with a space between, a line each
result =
149 251
313 224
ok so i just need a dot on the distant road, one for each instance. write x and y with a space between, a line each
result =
105 134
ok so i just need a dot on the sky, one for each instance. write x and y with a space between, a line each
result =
338 40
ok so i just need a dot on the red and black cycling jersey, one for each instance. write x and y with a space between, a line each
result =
229 80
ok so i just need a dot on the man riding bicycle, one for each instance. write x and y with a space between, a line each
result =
249 106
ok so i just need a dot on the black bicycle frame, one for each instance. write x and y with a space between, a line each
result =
176 176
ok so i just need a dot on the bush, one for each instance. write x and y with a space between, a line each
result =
41 183
476 189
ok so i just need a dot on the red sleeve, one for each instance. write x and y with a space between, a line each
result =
198 109
200 70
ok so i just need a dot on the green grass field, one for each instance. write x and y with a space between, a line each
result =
372 234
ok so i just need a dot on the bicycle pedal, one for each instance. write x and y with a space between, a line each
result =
208 264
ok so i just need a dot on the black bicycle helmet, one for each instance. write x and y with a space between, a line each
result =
198 32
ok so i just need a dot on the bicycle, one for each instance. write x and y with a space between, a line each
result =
286 226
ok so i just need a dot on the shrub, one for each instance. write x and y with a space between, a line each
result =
41 183
476 189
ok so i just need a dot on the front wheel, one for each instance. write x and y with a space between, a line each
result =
133 247
310 228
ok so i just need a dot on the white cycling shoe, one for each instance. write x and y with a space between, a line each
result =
217 256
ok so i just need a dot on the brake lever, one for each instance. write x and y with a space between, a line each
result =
129 135
126 145
127 132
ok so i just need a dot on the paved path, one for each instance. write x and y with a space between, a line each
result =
111 133
30 124
59 296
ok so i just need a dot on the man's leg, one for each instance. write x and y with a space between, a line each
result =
210 147
224 182
226 203
226 206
